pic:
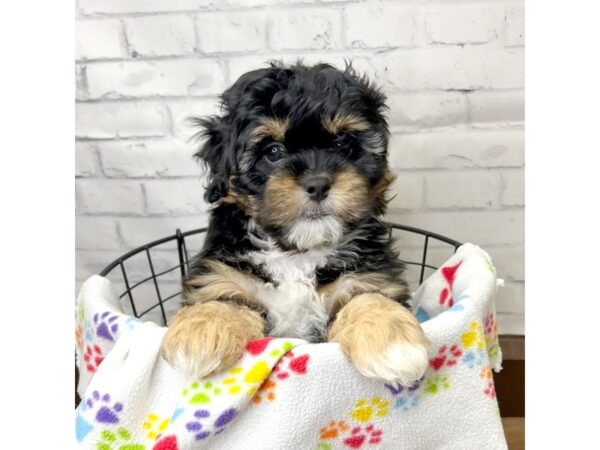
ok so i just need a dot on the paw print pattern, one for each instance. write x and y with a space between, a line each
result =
106 325
364 410
405 397
490 331
288 365
106 413
79 337
334 429
198 425
166 443
359 436
446 356
489 389
265 391
449 274
474 346
93 357
155 426
119 440
199 393
436 384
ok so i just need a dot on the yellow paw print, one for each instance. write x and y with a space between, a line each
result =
473 337
154 425
254 377
364 410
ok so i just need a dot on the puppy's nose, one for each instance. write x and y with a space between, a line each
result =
317 188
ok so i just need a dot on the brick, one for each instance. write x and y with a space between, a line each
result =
406 193
160 35
91 262
375 24
110 120
492 107
110 196
80 82
483 228
171 197
476 23
515 24
511 323
139 231
86 160
428 109
231 32
513 188
96 233
450 67
97 39
167 158
510 298
154 78
509 261
457 149
472 189
184 109
142 6
240 65
304 29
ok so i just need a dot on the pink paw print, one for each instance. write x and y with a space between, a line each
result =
446 357
93 357
359 436
291 364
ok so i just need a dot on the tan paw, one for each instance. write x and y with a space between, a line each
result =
382 338
206 338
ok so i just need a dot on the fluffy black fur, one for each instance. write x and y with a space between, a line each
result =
305 95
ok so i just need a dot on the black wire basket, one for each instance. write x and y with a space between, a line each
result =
149 277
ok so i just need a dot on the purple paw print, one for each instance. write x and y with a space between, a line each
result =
399 389
197 427
106 326
224 419
106 413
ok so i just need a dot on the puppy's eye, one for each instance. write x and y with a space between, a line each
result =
344 147
274 152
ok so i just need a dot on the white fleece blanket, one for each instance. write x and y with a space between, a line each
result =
288 394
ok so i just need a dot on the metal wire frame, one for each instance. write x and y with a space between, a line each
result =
184 263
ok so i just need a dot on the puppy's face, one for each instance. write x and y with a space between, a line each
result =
302 150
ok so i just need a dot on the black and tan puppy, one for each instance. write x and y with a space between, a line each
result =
298 177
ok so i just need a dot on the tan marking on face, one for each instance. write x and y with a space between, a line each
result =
379 192
349 196
339 292
382 338
206 338
273 127
345 122
283 201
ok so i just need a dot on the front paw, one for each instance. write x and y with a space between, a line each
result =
206 338
382 338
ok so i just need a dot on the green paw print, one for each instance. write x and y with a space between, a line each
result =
117 441
436 383
287 346
199 393
324 446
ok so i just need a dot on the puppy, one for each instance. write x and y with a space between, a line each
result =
298 176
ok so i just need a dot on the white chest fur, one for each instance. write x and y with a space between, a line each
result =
296 309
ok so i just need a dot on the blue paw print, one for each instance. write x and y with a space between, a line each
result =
473 358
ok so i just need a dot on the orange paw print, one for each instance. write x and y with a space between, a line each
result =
334 429
79 337
267 389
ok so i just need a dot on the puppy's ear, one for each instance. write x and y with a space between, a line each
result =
216 153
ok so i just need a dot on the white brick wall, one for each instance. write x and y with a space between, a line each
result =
453 72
